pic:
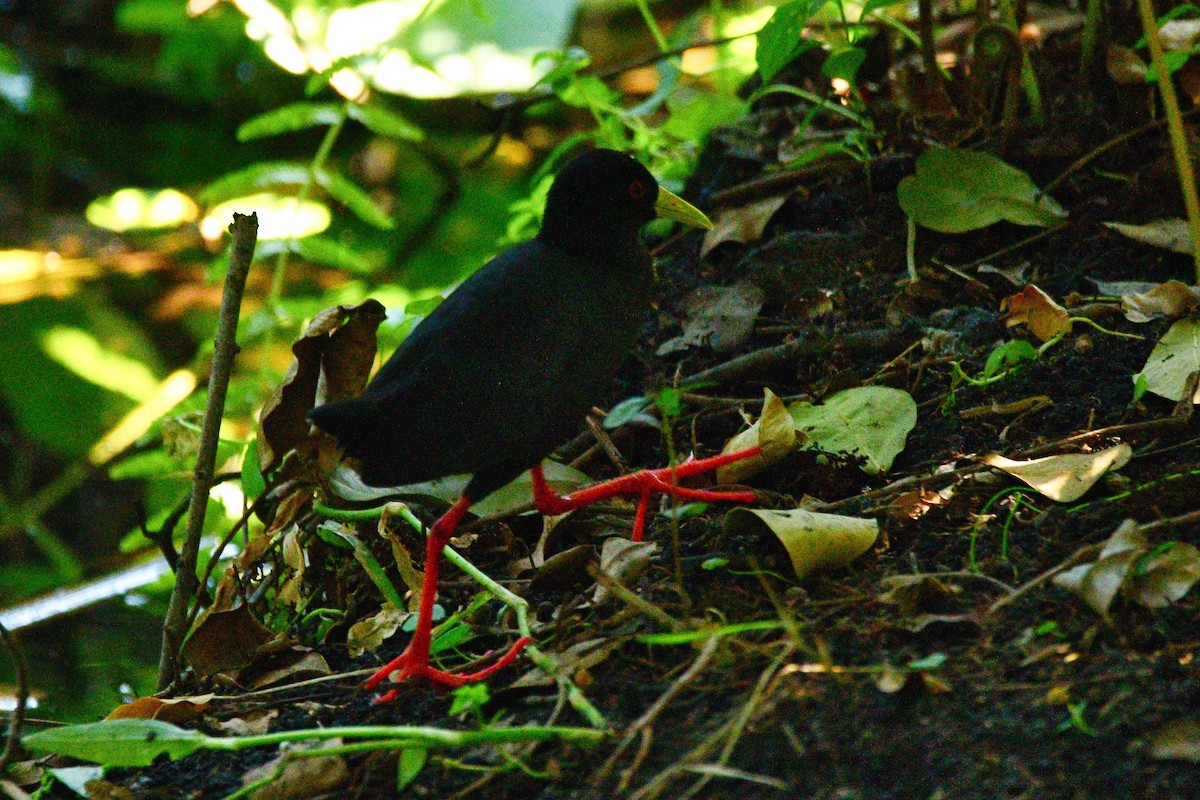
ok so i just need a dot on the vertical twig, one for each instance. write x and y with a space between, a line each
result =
12 743
245 233
1179 145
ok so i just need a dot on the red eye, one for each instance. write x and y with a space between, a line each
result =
637 190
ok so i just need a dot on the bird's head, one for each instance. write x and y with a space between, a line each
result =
604 197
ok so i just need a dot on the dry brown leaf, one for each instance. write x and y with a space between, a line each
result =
774 431
289 666
176 710
1125 66
1063 478
1032 307
225 641
742 224
1171 299
332 361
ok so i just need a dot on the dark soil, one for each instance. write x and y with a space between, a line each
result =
1039 697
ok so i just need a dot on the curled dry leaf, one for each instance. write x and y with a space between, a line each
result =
1150 576
1172 361
1170 299
288 666
742 224
332 361
1063 478
813 541
1033 308
774 432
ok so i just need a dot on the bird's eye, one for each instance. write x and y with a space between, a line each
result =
637 190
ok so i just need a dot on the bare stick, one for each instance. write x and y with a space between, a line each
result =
245 233
12 743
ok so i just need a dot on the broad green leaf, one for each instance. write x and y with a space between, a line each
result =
118 743
288 119
252 480
954 191
325 251
870 421
352 197
386 122
588 91
781 39
254 178
1173 359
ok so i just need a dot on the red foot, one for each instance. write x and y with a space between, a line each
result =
413 667
643 484
413 663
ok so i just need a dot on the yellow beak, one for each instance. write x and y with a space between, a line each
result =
672 206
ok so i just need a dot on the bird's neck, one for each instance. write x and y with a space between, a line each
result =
587 237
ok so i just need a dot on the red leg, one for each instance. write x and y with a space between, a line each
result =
644 483
414 661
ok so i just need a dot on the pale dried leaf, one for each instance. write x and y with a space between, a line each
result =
813 541
367 634
623 560
1179 34
742 224
301 778
1169 234
1178 740
255 723
1165 577
720 317
1063 478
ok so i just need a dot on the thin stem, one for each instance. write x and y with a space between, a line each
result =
1179 145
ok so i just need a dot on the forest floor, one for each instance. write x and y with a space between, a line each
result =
945 661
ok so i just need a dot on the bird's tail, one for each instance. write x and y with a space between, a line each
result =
349 421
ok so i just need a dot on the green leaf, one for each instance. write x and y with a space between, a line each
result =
844 64
254 178
871 421
631 409
875 5
412 761
352 197
386 122
118 742
781 39
292 117
588 91
252 480
471 697
954 191
1008 355
323 250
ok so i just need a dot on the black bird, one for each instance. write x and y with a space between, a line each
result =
504 370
